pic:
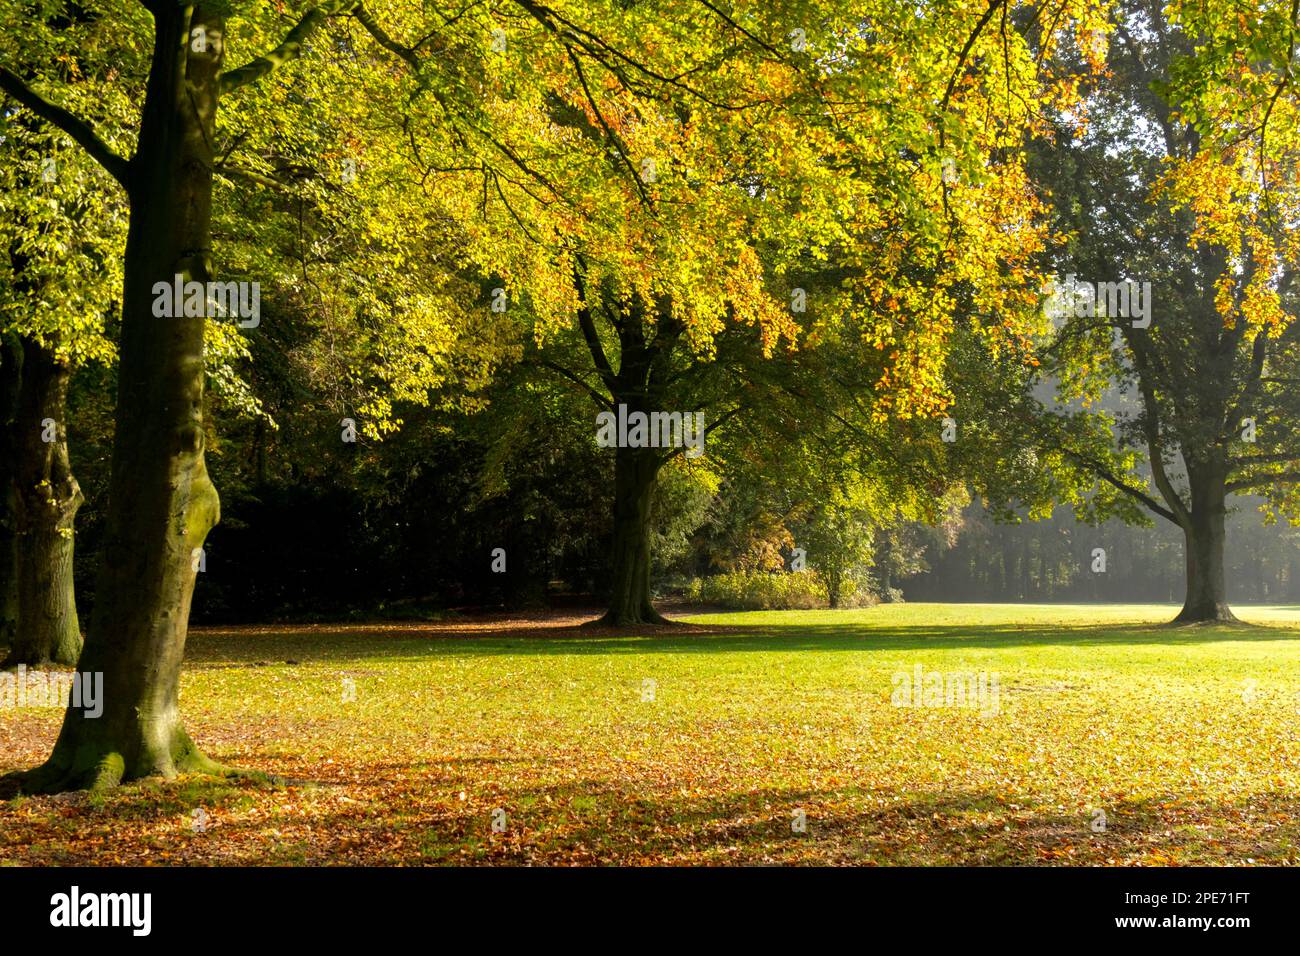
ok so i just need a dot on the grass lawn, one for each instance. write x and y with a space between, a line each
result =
1186 739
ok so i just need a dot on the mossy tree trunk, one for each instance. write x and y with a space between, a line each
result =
46 497
11 363
161 501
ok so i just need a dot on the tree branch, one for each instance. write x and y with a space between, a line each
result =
1182 512
290 47
719 422
80 131
570 33
378 34
1245 461
964 54
1282 477
589 333
1106 475
736 26
618 143
601 400
1254 377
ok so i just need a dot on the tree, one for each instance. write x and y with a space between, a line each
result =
813 206
59 281
161 501
1187 271
839 535
11 357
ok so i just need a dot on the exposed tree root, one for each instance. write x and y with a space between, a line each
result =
646 616
1219 614
98 768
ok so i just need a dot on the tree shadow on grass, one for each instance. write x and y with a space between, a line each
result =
602 820
594 821
961 827
935 827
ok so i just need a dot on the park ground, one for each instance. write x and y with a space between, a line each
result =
1116 741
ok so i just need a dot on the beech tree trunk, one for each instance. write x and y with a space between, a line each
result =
635 472
1205 538
11 359
46 496
643 368
161 502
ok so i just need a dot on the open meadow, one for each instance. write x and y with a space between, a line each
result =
700 745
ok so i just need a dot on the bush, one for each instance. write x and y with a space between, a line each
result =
857 594
759 591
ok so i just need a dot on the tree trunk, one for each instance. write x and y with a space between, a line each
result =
635 471
161 502
1205 538
47 497
11 364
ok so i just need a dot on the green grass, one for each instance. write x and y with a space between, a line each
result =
1185 738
